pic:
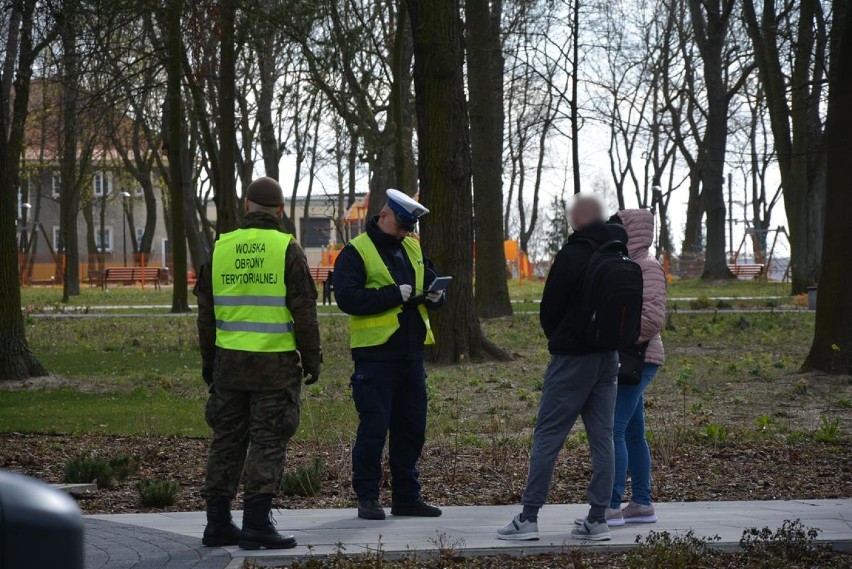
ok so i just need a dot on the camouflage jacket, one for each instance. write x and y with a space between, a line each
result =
239 370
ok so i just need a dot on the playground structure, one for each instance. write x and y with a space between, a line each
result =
353 222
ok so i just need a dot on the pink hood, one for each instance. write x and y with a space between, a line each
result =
639 224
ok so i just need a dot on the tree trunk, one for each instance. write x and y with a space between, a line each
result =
796 125
445 174
575 103
831 351
69 199
485 84
180 302
227 218
710 36
16 360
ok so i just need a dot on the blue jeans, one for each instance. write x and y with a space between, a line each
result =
390 397
631 446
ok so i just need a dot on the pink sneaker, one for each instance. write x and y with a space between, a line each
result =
614 519
634 513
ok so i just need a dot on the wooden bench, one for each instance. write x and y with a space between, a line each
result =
132 275
323 275
748 271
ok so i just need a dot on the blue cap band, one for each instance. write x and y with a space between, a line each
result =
402 213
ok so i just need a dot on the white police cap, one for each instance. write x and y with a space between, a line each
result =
406 210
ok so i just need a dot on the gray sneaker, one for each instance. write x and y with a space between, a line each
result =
592 531
518 530
638 514
614 518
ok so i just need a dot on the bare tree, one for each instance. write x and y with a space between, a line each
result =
22 46
485 84
445 173
831 351
794 94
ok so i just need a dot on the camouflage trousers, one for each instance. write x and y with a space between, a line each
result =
251 430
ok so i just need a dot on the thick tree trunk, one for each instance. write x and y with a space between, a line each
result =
831 351
485 85
445 174
180 301
16 359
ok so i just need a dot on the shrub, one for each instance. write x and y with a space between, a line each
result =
716 433
662 550
305 480
792 542
157 493
701 303
124 466
83 470
828 431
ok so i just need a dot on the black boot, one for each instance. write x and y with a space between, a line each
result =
220 530
418 509
370 510
258 531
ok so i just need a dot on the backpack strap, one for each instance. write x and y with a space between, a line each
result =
612 245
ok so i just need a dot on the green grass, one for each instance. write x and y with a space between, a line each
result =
732 288
139 412
142 376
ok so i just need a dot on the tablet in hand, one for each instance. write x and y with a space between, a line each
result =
440 284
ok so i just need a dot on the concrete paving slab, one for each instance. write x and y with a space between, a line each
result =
470 530
77 490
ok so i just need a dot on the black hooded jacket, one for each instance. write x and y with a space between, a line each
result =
562 289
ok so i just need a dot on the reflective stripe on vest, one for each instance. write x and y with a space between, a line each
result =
376 329
250 291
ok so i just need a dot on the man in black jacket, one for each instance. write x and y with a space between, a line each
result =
381 279
580 381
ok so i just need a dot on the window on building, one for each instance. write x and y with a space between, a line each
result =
55 184
58 245
318 232
104 237
139 232
102 184
137 191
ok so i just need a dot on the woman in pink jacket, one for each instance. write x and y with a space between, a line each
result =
631 447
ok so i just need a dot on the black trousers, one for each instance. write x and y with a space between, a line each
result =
390 397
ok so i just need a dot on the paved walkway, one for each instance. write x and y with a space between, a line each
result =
172 540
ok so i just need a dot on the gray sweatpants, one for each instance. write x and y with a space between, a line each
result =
575 386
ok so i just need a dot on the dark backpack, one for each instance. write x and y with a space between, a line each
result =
610 309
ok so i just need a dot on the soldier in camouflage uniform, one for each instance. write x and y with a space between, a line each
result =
259 335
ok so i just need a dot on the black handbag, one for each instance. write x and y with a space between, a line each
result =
630 363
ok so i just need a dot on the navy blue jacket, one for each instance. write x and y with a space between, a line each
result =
562 289
353 298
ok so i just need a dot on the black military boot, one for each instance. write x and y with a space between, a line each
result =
258 531
220 530
370 510
418 509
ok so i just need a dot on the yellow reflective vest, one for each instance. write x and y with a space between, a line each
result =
250 292
376 329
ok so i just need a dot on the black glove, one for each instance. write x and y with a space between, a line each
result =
207 375
311 364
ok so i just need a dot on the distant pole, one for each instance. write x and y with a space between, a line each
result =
124 196
730 216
